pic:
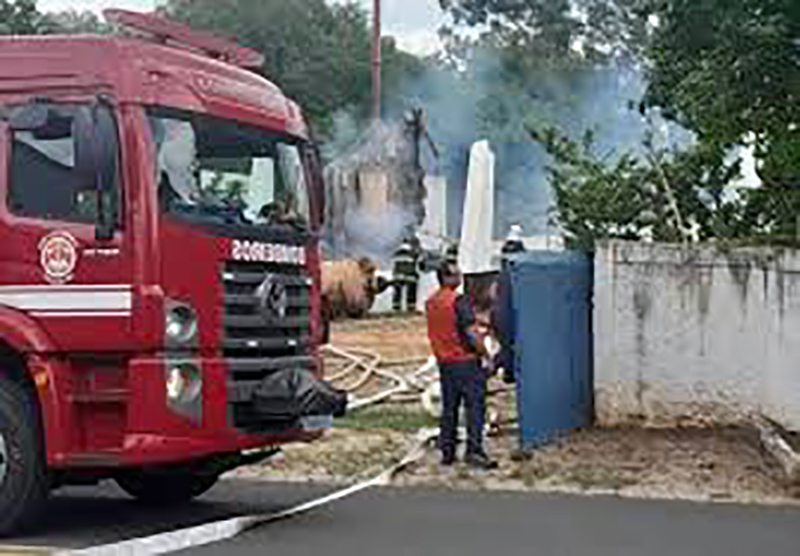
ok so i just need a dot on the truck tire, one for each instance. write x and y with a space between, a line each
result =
165 487
24 485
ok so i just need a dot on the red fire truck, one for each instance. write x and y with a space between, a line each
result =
159 265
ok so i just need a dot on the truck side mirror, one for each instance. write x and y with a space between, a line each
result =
84 143
96 156
108 171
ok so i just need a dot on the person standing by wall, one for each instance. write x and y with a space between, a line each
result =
405 274
458 349
502 315
513 243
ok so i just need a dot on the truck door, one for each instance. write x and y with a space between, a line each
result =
65 257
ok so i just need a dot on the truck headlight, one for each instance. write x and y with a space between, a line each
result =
184 383
184 387
181 324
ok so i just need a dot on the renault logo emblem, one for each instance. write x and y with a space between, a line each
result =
272 297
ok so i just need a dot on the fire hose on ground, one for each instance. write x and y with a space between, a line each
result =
218 531
420 386
416 386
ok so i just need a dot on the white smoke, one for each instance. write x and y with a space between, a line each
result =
373 194
376 235
469 103
477 102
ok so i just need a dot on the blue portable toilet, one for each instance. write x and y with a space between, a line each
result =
551 308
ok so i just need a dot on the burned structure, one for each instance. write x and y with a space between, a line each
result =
376 190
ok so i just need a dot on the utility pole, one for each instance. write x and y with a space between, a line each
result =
376 60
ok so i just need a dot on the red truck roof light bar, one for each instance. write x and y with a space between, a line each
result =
160 29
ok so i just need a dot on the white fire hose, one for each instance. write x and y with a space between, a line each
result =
218 531
422 385
419 385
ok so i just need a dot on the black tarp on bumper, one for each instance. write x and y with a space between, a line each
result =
291 394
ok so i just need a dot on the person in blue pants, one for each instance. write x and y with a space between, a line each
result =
458 349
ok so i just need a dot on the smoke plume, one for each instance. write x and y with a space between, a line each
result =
478 101
375 193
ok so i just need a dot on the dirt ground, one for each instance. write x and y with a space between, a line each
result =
702 464
692 464
394 338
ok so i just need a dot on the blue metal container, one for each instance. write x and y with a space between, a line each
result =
551 300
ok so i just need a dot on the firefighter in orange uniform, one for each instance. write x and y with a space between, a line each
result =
458 348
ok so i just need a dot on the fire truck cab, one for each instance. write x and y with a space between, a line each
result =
159 265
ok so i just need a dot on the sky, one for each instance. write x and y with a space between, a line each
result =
412 22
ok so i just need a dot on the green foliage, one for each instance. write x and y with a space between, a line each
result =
19 17
72 22
665 194
387 417
398 68
551 29
730 71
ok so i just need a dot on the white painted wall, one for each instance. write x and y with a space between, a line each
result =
696 335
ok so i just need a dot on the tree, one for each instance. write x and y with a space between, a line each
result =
73 22
558 30
398 67
317 52
664 194
729 70
19 17
22 17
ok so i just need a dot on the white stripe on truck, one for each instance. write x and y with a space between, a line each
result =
69 300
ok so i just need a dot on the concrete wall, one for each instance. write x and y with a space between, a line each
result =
688 335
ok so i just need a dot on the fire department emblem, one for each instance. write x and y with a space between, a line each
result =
58 256
273 299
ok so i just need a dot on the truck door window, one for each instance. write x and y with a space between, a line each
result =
222 170
44 179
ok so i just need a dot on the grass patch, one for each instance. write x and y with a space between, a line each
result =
392 418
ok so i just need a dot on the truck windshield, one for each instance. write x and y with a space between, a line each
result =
223 170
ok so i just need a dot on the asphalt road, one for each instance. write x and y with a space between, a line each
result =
393 522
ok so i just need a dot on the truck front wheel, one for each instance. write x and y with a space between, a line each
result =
165 487
23 474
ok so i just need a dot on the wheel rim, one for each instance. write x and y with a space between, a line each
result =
3 459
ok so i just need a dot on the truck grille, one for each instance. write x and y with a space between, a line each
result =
254 345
